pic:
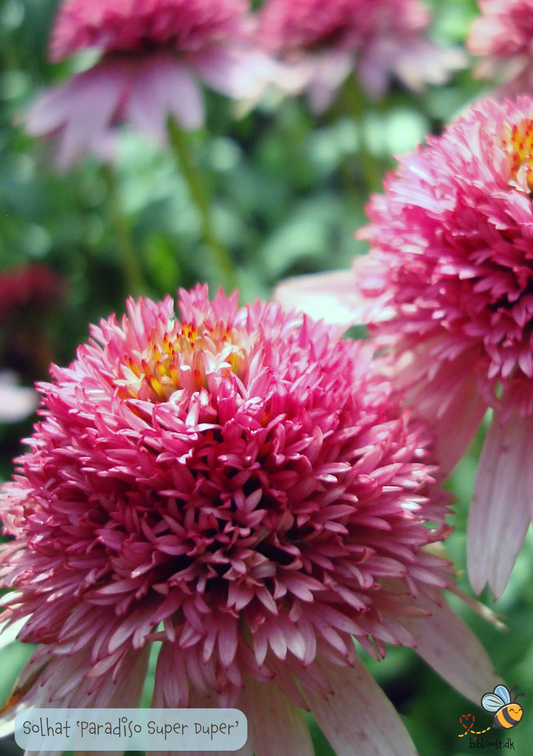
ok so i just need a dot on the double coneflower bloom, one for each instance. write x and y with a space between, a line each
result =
379 39
152 57
246 489
447 290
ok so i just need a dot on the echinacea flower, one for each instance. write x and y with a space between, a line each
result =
381 39
152 55
503 38
448 289
246 489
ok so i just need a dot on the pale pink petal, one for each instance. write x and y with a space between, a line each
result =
236 72
421 62
294 77
458 421
415 61
16 402
278 726
82 111
500 510
446 394
8 635
50 109
451 648
164 86
372 71
127 693
97 99
330 70
201 702
328 296
359 718
35 696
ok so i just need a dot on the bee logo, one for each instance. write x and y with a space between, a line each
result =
507 713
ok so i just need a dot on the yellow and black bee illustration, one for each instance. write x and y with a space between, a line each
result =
508 713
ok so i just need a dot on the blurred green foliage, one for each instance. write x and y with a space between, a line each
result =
287 192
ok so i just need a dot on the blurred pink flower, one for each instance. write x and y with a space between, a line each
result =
153 53
503 37
31 288
379 38
247 490
448 290
28 294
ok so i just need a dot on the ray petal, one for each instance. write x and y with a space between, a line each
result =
451 648
500 511
358 717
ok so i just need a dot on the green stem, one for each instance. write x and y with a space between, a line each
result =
220 255
130 263
356 103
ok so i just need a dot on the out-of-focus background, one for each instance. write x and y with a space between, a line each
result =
287 191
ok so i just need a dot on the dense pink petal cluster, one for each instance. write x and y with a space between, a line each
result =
246 489
184 25
153 53
503 37
448 290
452 249
311 24
380 38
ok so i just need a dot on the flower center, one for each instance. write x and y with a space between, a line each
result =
181 358
518 141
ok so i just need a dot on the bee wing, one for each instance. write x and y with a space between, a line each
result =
503 692
492 702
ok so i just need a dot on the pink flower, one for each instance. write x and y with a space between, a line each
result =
247 490
448 290
503 37
28 294
153 53
30 288
380 38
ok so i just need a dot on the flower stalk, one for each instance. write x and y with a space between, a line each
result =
355 103
198 193
131 267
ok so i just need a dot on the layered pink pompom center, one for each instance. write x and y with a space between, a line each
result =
311 25
145 25
452 245
236 484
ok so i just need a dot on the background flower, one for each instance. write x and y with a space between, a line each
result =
503 37
447 289
381 39
152 57
29 295
254 486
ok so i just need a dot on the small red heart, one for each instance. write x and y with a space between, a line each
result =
469 719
